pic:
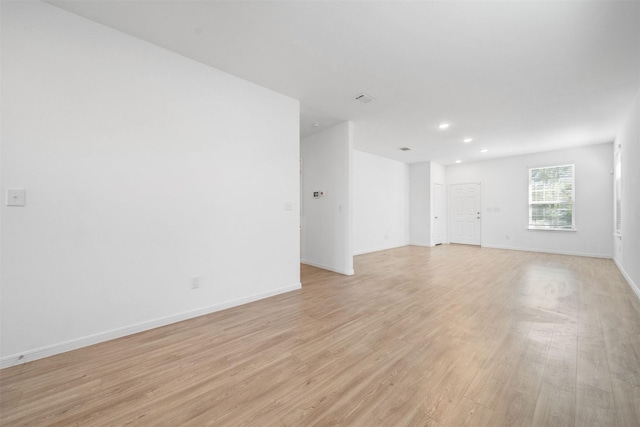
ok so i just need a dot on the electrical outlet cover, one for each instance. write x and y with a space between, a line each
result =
16 197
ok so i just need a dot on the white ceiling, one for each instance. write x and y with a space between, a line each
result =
516 76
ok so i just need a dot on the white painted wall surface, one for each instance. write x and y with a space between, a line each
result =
627 249
420 204
380 203
505 201
142 169
327 221
438 173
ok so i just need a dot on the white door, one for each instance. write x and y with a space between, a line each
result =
438 214
464 217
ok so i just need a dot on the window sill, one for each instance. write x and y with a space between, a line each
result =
571 230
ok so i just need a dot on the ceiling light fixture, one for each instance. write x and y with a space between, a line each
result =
484 150
467 140
405 149
316 124
443 125
458 161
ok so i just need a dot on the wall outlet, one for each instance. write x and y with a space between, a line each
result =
195 283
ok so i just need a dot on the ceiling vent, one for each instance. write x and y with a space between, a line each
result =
364 98
405 149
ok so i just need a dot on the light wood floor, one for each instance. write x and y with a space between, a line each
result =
445 336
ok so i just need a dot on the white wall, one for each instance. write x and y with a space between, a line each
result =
380 203
438 173
505 201
627 249
327 221
420 204
142 170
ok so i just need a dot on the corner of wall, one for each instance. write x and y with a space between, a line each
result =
328 220
625 248
634 286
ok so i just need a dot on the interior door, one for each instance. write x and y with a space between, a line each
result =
464 218
438 214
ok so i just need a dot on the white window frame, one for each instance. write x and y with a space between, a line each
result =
531 226
617 194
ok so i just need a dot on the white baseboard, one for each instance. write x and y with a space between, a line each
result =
328 267
384 248
50 350
634 287
546 251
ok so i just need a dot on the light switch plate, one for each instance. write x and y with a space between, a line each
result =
16 196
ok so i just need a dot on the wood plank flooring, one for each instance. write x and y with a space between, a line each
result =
446 336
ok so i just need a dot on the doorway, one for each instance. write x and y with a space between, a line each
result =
464 217
438 214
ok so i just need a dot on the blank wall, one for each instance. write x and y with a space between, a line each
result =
380 203
143 169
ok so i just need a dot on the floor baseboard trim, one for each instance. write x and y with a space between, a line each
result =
634 287
424 245
51 350
368 251
546 251
328 267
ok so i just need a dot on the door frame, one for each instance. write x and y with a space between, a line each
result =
443 214
450 211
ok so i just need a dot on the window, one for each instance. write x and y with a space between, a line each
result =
618 194
551 198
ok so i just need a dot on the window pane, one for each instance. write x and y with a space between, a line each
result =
618 192
551 196
554 184
556 215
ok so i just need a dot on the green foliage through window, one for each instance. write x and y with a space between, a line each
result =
551 197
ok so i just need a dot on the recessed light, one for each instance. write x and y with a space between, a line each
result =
467 140
443 125
484 150
458 161
316 124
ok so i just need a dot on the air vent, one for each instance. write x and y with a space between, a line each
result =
364 98
405 149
